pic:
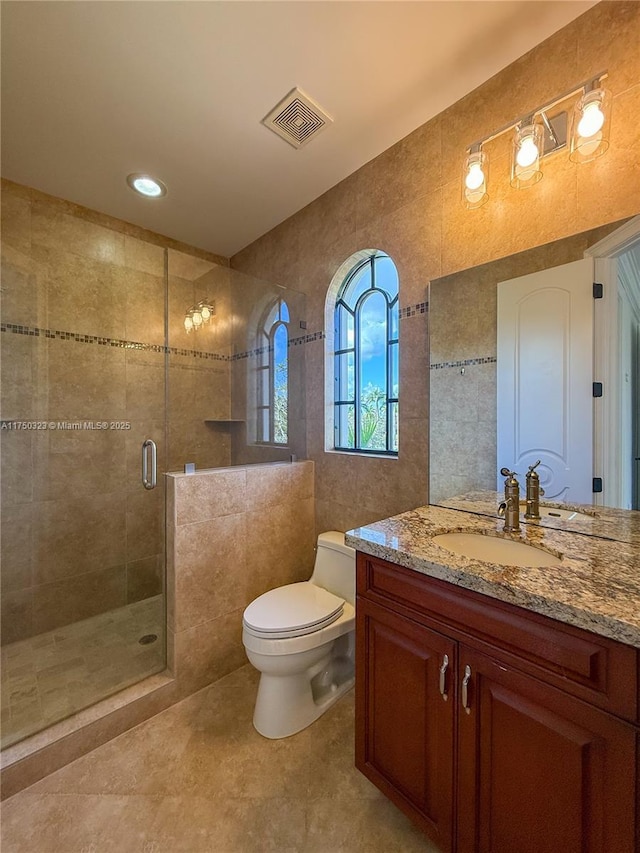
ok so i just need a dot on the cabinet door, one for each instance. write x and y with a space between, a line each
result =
539 771
404 723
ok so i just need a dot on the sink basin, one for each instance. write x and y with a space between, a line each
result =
491 549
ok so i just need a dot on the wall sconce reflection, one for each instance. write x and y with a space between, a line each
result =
199 314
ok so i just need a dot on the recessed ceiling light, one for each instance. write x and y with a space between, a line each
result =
146 185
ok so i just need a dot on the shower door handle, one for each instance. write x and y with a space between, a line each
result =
149 482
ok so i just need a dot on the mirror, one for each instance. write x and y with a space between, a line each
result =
463 382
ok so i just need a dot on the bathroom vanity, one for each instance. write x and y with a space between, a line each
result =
498 706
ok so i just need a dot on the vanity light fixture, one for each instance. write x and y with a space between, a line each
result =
590 124
146 186
540 133
474 178
528 147
199 314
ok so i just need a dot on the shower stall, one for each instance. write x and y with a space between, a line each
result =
121 360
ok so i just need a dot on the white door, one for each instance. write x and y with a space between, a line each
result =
545 369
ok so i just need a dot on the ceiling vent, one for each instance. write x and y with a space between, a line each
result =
297 118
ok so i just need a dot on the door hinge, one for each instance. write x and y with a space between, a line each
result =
597 485
597 389
597 290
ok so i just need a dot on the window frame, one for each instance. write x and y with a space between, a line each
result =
265 373
391 401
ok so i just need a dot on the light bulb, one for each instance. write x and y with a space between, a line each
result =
206 313
188 323
527 152
475 177
197 319
592 119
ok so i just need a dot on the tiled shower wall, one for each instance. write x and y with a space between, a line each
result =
406 202
82 340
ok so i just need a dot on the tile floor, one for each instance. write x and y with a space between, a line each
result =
52 675
197 778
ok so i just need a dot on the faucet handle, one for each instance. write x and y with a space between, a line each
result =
507 473
532 468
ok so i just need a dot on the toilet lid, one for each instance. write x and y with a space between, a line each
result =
295 607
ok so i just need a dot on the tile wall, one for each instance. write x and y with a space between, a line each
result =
232 534
406 202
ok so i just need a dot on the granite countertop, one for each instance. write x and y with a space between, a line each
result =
596 587
622 525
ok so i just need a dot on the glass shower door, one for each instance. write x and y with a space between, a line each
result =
83 387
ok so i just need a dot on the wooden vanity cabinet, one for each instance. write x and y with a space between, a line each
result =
480 739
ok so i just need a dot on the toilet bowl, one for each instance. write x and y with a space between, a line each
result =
301 638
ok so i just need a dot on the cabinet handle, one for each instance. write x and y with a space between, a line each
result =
465 689
443 677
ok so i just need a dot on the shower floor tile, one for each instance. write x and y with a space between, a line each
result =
48 677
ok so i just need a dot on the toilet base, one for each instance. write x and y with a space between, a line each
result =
289 701
286 705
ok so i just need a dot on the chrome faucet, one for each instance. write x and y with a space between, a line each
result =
534 493
509 509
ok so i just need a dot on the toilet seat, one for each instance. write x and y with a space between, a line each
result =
292 611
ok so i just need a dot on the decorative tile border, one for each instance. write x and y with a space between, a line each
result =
119 343
489 359
56 334
413 310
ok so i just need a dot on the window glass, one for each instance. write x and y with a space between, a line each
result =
366 378
273 376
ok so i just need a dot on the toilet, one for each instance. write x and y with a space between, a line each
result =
301 638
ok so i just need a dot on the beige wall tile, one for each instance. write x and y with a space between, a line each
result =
144 522
82 294
208 652
145 578
280 546
24 288
51 228
145 389
411 236
271 485
414 366
95 393
206 496
17 467
609 187
72 463
17 615
16 220
407 171
618 52
16 547
144 257
78 597
75 536
210 570
144 297
187 266
19 387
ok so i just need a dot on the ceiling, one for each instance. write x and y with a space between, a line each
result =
92 91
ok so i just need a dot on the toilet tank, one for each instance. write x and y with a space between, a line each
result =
335 567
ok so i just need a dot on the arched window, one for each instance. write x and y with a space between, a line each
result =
366 358
273 376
